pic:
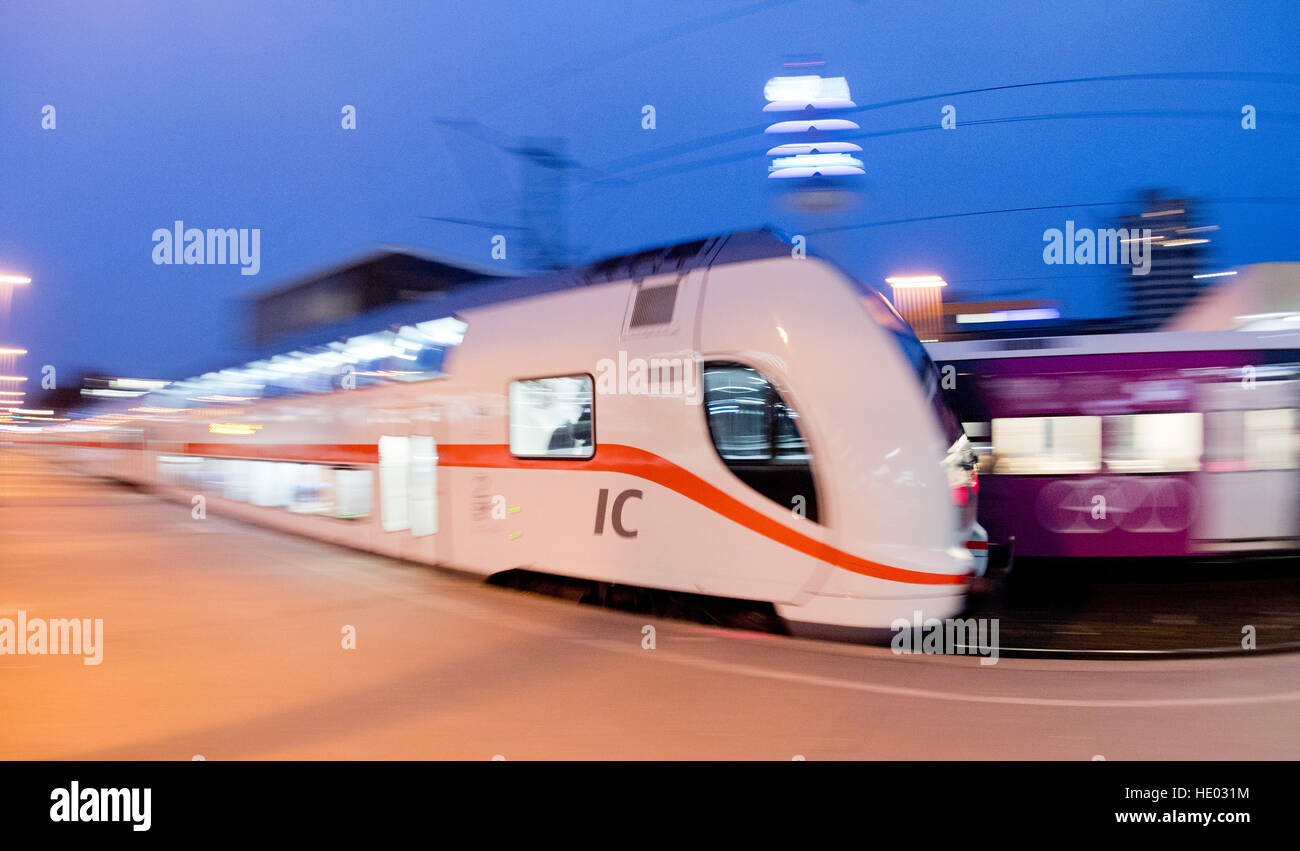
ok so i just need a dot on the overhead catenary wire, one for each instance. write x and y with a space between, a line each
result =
746 132
1274 199
722 159
613 173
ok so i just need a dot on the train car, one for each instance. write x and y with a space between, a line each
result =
1177 444
718 417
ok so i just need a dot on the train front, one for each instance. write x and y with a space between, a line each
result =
894 476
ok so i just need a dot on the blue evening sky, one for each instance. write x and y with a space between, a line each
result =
227 114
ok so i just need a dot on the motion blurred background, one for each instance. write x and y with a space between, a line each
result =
475 119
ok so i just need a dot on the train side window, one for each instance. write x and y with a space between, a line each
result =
1041 446
1251 440
552 417
353 490
1271 439
1152 443
756 434
239 473
313 490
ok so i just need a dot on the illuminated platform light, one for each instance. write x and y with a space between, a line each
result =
822 171
898 281
13 351
15 279
13 392
13 378
447 331
811 165
137 384
107 393
919 300
219 398
795 148
31 412
85 427
1022 315
1214 275
314 368
1261 317
812 125
815 103
233 428
805 88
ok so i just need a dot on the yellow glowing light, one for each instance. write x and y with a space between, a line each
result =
13 378
233 428
916 281
14 279
13 351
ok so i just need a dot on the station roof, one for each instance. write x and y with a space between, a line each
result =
412 319
388 275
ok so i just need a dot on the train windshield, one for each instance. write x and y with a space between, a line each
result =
923 367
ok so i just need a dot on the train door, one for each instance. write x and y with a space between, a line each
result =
409 498
753 434
1249 483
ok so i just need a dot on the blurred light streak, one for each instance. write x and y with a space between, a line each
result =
806 88
916 281
1010 315
233 428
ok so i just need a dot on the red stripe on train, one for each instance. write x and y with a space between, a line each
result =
319 453
616 458
609 458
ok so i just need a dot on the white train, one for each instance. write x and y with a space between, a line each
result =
718 418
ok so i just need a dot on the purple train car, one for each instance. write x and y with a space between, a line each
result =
1160 444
